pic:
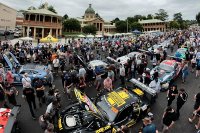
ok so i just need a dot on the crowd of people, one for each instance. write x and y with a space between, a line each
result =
67 62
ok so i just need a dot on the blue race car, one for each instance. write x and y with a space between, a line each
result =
33 70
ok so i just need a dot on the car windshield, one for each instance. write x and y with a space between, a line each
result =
106 110
182 51
166 67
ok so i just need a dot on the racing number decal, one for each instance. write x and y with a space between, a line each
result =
117 98
106 129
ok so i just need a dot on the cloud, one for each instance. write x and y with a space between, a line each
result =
110 9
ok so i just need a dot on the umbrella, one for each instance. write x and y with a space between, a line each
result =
26 39
99 36
48 39
90 36
81 36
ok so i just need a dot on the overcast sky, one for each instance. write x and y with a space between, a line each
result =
110 9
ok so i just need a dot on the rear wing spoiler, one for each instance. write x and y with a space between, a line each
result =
143 87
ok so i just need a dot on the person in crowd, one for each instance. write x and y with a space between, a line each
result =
52 111
98 81
144 79
90 76
3 98
122 74
169 118
155 85
148 126
49 78
56 63
11 93
133 69
68 83
26 81
82 84
181 99
185 72
108 84
29 96
2 73
50 128
82 72
9 77
193 64
39 88
111 74
43 121
50 97
198 66
196 112
171 94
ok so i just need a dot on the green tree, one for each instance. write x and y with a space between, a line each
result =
139 17
50 8
89 29
65 17
31 8
162 15
71 25
121 26
198 18
115 20
136 26
174 25
178 17
149 16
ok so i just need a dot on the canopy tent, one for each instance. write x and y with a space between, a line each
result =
108 34
129 33
118 34
90 36
26 39
98 36
48 39
136 32
81 36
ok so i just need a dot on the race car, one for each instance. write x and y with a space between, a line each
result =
109 112
168 70
33 70
98 66
180 53
8 120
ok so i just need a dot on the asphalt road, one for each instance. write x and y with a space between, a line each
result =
192 85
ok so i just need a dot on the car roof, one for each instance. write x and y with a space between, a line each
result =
118 99
97 63
33 67
169 62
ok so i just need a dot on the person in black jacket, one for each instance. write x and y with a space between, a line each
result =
29 95
181 99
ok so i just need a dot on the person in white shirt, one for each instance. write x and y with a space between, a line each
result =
56 63
122 74
82 72
26 81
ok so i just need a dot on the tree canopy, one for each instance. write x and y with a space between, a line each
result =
198 18
121 26
162 15
71 25
50 8
89 29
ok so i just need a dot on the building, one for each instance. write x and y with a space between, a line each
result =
39 23
19 19
7 17
92 18
153 25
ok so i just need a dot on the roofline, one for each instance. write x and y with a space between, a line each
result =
8 6
27 11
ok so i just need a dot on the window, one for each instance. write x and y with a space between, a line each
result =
126 113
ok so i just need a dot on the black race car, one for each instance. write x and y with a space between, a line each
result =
112 110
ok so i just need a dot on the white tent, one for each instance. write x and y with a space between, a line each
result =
26 39
81 36
98 36
90 36
117 34
107 34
